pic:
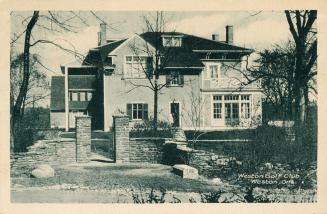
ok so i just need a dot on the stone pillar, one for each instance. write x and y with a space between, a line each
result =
121 138
83 139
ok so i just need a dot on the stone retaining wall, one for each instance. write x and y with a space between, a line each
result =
53 152
206 162
147 150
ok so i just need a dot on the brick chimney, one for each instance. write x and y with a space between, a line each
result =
229 34
102 35
215 37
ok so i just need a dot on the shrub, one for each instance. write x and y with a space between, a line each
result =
145 129
27 131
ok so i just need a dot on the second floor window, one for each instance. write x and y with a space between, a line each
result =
135 66
213 71
175 79
80 95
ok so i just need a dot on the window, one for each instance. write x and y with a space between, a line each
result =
231 97
108 60
172 41
174 79
137 111
73 96
80 96
89 95
245 106
213 71
136 66
217 105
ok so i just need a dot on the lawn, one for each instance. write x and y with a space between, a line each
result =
105 178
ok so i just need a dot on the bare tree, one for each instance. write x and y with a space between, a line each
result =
49 21
157 59
301 24
38 87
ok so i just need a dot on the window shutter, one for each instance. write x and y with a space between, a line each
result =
181 79
149 67
168 80
145 111
129 110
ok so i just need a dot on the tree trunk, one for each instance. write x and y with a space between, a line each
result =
17 109
155 106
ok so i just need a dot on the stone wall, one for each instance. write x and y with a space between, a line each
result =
147 150
206 162
131 150
57 151
52 152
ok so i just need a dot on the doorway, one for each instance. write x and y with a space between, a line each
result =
175 113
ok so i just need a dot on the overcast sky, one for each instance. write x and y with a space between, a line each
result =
257 32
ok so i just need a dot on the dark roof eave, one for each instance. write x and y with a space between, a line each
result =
183 67
224 51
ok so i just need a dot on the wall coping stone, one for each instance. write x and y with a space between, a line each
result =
119 116
83 116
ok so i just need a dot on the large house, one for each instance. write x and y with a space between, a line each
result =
200 81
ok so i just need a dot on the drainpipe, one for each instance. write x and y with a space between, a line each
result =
66 101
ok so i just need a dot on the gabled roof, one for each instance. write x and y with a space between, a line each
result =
193 42
101 52
181 57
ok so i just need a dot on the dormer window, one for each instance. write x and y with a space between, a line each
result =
172 41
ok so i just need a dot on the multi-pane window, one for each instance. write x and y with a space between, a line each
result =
174 79
135 66
80 95
245 106
231 97
213 71
217 107
172 41
137 111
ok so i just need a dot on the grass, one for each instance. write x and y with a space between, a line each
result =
113 176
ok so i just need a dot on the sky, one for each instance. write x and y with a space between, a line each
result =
252 29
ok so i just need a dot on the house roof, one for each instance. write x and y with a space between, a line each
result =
182 57
193 42
57 102
101 52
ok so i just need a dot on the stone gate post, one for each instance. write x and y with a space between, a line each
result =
83 139
121 138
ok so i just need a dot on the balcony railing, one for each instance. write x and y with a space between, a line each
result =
229 83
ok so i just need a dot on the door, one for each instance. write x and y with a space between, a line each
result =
231 114
175 113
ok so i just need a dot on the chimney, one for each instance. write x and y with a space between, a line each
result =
215 37
102 35
229 34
